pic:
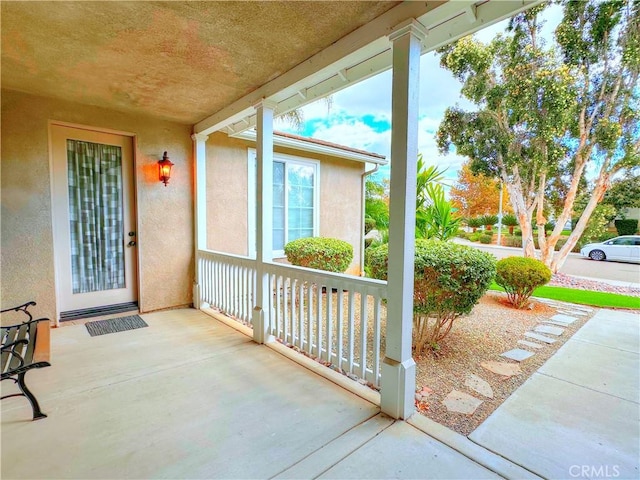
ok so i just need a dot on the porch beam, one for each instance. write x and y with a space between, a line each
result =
362 54
398 367
264 217
200 207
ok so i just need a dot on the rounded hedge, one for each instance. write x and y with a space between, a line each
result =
321 253
449 278
486 239
520 276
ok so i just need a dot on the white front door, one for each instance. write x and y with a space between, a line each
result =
93 218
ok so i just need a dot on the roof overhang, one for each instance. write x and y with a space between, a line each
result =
360 55
310 145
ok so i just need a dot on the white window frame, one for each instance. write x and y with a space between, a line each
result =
251 191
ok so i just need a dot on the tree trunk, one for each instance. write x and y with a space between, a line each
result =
598 192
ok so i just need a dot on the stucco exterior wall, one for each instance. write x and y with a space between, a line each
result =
165 215
227 186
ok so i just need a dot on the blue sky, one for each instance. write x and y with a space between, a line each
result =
360 116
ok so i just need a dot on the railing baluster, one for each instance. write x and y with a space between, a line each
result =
364 327
350 331
340 328
376 339
329 320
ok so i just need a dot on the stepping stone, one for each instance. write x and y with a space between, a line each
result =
517 354
563 319
537 336
460 402
479 385
579 313
553 322
549 329
530 344
503 368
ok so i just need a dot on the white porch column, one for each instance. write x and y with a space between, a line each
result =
398 367
264 217
200 208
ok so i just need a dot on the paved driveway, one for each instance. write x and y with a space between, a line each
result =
579 415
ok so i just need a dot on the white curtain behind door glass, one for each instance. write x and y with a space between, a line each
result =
95 216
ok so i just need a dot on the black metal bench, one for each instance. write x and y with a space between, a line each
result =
24 346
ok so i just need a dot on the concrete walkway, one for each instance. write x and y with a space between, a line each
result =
190 397
579 415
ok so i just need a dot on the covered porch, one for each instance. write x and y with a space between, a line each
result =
192 397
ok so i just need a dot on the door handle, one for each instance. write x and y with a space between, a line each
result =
131 244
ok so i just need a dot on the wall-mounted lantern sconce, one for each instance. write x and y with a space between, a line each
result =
164 169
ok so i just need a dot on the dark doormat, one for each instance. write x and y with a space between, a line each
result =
113 325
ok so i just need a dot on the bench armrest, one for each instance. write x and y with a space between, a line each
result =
21 308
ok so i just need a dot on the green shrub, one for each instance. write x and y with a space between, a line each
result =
626 227
606 236
515 241
486 238
475 236
462 234
520 276
449 280
321 253
369 224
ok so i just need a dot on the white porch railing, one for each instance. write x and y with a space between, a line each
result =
228 283
337 319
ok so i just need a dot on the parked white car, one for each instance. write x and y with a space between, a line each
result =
623 249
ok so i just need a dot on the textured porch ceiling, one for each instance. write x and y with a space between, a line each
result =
179 61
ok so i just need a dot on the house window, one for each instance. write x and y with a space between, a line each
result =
295 200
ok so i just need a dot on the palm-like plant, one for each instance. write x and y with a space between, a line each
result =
510 221
438 218
474 223
489 221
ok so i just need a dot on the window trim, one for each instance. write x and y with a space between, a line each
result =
252 188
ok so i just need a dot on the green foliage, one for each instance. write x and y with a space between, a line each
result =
624 193
515 241
475 236
626 227
598 222
486 239
321 253
520 276
488 221
376 205
449 280
546 111
436 220
369 224
510 221
474 223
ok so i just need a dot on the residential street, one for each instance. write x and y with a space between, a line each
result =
576 265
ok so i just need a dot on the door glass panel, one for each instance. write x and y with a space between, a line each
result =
95 216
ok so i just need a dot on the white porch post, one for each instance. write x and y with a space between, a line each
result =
398 367
264 217
200 208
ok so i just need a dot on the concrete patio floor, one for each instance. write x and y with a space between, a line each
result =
190 397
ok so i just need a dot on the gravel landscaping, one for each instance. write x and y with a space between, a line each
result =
491 329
